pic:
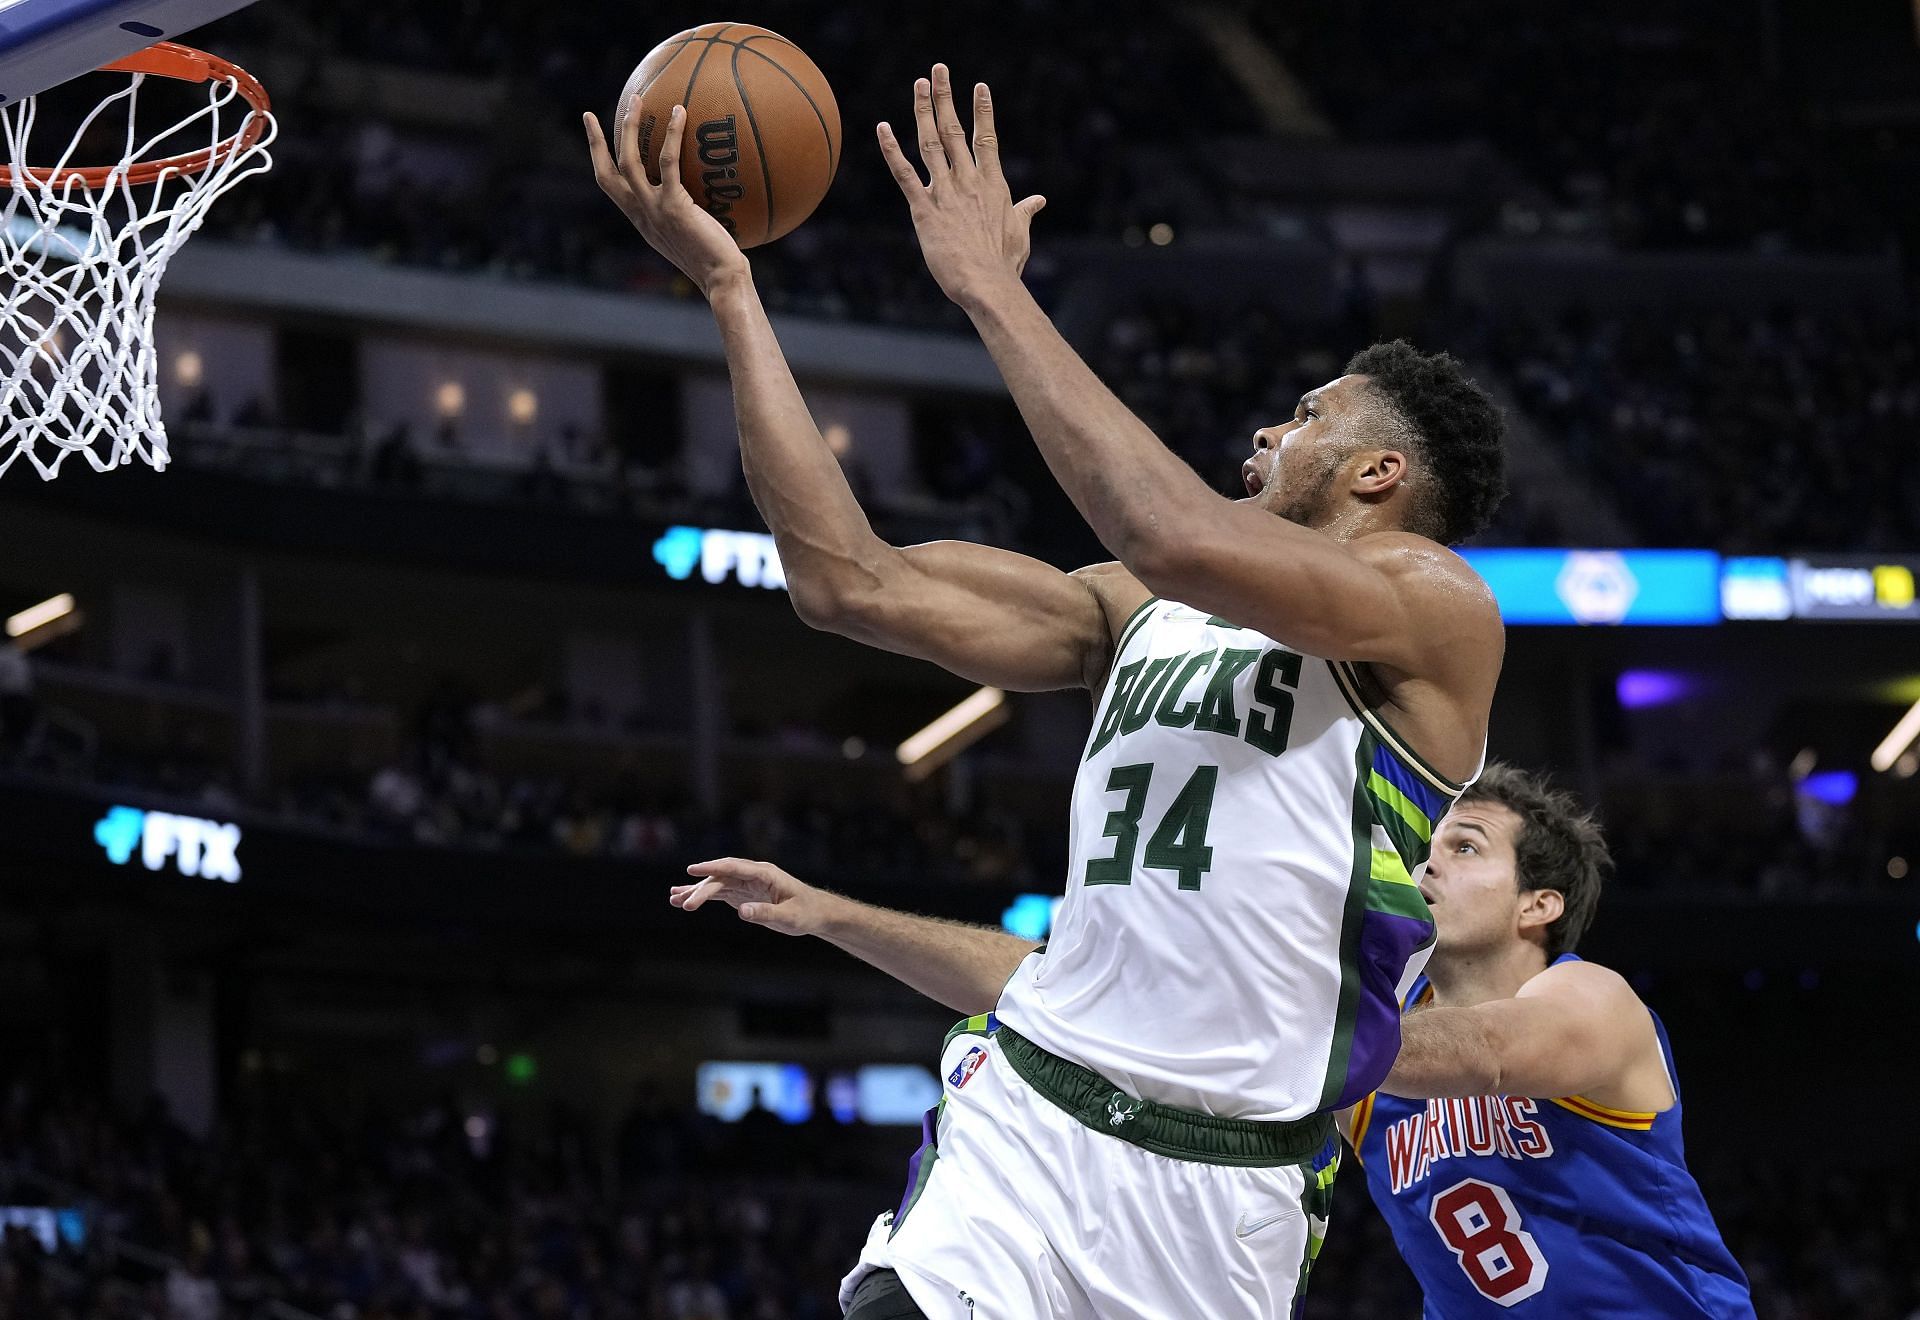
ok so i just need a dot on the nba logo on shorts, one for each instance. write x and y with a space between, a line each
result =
969 1065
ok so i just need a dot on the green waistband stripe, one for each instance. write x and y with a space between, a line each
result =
1163 1129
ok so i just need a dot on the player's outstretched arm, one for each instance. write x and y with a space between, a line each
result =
1575 1029
1400 601
985 614
964 967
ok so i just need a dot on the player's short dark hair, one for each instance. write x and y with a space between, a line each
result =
1460 430
1558 846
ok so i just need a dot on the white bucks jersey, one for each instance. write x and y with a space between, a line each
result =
1241 900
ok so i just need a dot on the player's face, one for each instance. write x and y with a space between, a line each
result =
1294 464
1472 879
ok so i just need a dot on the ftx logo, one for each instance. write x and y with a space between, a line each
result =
678 552
203 849
749 558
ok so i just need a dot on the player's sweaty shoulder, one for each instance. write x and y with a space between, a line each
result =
1437 649
1440 620
1119 594
1427 568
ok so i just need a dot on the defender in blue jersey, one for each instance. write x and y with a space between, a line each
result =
1525 1149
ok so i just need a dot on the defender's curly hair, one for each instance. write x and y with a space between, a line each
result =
1461 434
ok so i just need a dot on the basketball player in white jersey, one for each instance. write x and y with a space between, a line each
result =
1290 690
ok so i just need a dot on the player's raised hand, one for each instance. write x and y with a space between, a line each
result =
974 236
760 892
674 225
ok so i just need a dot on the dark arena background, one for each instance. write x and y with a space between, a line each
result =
344 766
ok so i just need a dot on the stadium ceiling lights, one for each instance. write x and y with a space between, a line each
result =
1898 740
36 624
952 733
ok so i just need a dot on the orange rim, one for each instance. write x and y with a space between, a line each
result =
169 59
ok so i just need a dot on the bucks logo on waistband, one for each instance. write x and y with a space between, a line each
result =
1195 691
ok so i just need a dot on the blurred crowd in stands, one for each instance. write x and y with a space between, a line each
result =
1755 433
1204 377
1746 431
435 1213
464 806
520 200
1710 143
473 808
448 791
961 487
1746 825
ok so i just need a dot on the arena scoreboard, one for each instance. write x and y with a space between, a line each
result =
1871 588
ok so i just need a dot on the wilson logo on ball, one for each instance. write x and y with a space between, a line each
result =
719 149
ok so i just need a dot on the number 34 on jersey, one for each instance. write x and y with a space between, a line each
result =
1194 691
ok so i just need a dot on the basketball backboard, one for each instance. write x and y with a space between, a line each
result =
44 43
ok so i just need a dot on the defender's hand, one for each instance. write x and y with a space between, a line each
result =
974 236
674 225
760 892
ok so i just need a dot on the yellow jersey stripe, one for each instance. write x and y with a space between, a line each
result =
1390 795
1388 867
1621 1118
1362 1116
1626 1115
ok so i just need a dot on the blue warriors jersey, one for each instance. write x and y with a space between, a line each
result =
1506 1206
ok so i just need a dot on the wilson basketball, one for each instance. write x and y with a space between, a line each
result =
763 131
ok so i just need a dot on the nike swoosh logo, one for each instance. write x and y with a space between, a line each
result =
1245 1230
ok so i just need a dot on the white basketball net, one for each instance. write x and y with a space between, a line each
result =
79 268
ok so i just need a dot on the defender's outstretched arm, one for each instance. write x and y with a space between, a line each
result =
1572 1030
964 967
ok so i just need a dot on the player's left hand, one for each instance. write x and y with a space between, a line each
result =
974 236
676 226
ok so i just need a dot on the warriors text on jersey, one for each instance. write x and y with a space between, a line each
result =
1507 1206
1242 904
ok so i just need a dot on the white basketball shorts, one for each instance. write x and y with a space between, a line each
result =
1018 1209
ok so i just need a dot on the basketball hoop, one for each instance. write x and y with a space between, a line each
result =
82 250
